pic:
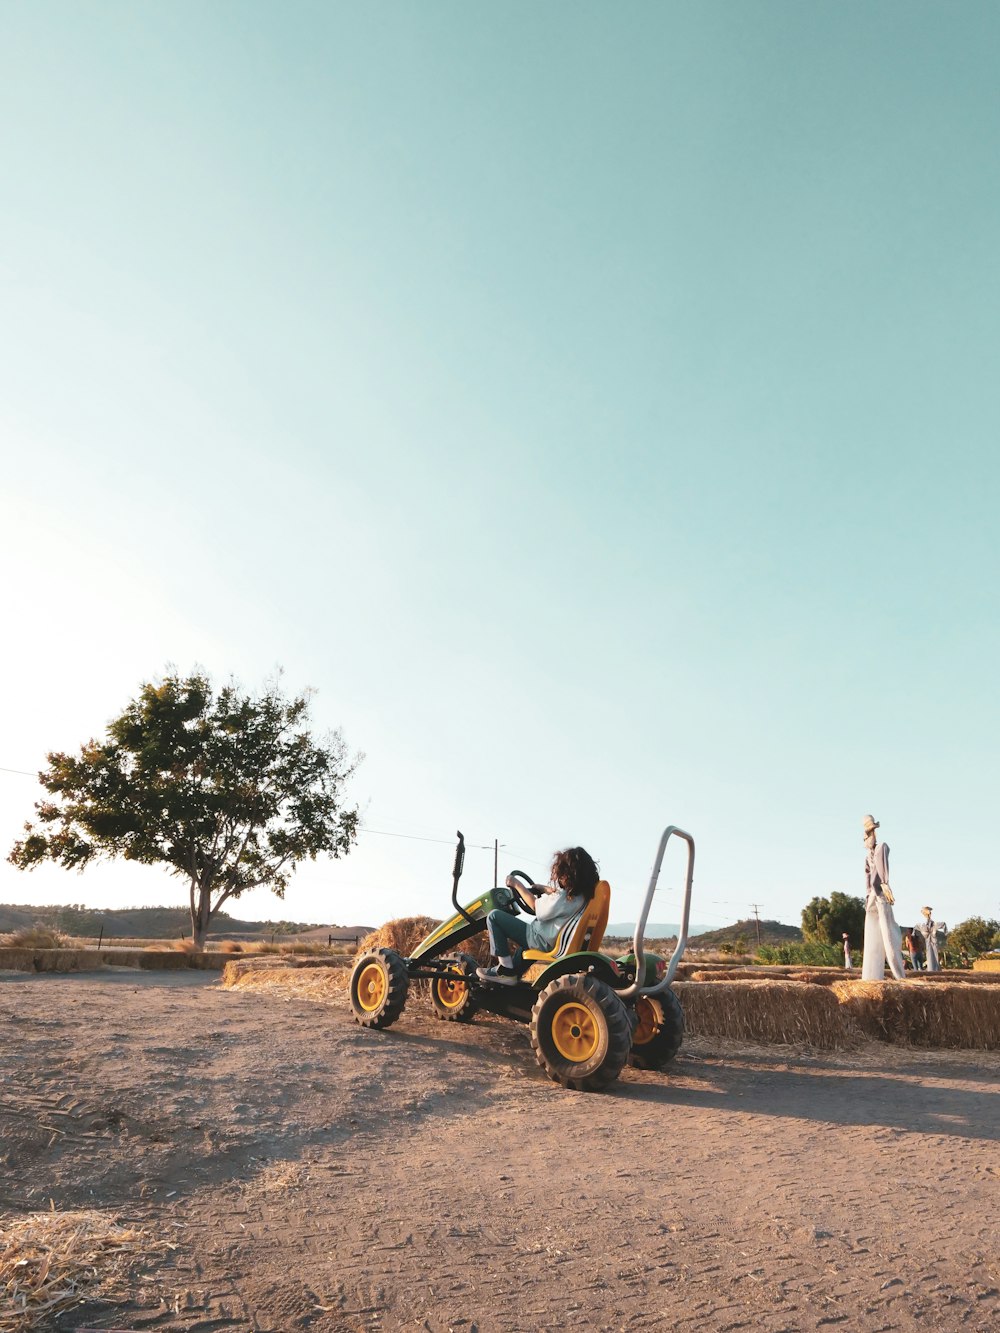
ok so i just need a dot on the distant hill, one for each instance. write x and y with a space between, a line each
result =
771 932
655 930
153 923
701 937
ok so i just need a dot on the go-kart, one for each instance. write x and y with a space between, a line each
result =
589 1014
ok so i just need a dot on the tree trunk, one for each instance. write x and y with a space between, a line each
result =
201 912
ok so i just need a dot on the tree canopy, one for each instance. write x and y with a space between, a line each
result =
827 920
228 790
977 935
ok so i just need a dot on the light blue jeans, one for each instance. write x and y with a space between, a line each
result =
505 930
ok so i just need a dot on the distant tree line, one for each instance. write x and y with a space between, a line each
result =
825 921
141 923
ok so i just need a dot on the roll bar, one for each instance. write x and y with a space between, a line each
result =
675 957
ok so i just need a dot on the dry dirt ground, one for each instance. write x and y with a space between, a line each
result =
314 1175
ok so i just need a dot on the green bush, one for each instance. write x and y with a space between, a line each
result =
976 936
810 954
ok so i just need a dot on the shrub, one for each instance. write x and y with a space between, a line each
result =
811 954
37 937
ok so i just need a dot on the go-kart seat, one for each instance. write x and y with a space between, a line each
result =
584 932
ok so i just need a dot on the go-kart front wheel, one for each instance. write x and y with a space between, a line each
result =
453 1000
580 1032
379 983
659 1030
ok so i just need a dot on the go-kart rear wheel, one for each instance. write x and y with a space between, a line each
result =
379 983
454 1000
580 1032
659 1030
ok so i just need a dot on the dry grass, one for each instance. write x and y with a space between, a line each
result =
307 983
49 1261
186 946
307 948
37 937
327 977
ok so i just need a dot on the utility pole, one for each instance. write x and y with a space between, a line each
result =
756 913
496 854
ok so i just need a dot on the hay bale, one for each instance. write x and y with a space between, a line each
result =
64 960
325 984
405 933
948 1015
16 960
157 960
51 1261
402 934
968 976
822 976
770 1011
764 972
239 967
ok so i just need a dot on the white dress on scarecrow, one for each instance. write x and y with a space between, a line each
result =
882 940
928 928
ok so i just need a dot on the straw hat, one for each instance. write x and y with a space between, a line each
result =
926 911
869 822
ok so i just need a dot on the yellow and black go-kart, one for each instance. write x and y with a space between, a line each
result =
589 1014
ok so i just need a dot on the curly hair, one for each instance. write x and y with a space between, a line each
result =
575 870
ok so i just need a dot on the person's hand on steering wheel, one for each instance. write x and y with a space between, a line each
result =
523 893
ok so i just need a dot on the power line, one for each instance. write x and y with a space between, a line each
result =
416 837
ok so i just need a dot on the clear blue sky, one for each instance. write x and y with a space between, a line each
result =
597 404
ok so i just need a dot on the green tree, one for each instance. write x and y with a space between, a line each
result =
977 935
228 790
827 920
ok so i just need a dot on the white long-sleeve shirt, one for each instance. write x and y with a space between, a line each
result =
552 911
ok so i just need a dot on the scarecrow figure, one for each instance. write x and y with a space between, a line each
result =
928 928
881 931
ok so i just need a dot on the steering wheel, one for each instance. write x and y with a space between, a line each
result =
516 889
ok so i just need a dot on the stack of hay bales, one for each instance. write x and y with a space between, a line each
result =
843 1012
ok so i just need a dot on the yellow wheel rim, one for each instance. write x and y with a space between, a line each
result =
450 993
372 987
575 1032
650 1015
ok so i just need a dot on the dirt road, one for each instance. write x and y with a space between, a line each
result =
313 1175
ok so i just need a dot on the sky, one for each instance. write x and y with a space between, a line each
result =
595 404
